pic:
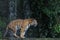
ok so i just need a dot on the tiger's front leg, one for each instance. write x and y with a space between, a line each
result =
23 31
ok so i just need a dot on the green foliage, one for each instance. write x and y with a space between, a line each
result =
2 23
56 28
0 34
52 8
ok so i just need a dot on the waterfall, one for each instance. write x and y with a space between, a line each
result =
12 9
26 8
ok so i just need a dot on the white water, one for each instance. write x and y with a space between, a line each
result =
12 9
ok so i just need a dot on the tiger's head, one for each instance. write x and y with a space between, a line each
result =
34 23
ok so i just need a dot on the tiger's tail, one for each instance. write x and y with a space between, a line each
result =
5 32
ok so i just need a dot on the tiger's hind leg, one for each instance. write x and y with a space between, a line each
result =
14 33
5 32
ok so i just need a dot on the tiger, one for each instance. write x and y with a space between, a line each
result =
22 25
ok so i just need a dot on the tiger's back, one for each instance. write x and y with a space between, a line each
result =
15 23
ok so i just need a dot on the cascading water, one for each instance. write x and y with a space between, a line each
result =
12 9
26 8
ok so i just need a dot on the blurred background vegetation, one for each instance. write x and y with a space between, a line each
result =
47 13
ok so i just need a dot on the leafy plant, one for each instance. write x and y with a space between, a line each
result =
56 28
